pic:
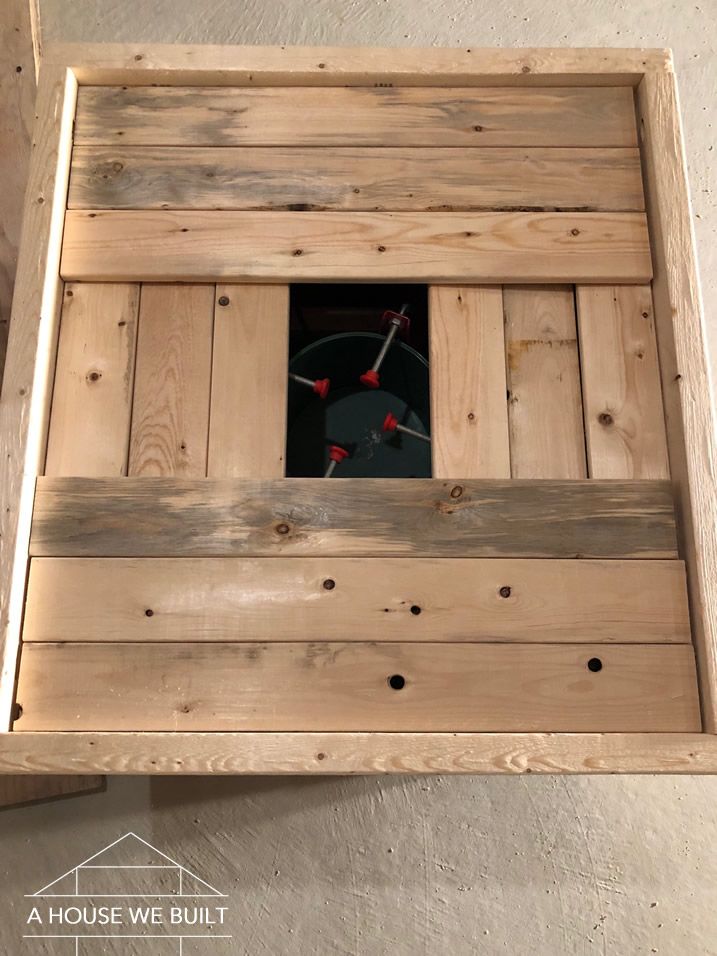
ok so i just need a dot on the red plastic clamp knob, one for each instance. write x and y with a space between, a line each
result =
390 422
322 386
337 453
370 379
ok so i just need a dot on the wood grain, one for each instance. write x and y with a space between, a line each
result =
170 415
469 413
682 345
17 115
357 179
153 517
357 753
435 247
31 352
349 599
545 409
247 432
624 420
94 378
142 64
340 116
345 687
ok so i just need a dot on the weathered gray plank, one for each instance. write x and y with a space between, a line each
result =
136 517
340 116
358 179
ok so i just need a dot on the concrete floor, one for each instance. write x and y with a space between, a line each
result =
489 865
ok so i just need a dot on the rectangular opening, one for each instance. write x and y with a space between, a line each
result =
337 333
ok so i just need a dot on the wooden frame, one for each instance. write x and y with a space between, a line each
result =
686 388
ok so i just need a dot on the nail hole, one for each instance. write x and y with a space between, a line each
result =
18 69
415 609
381 248
505 591
321 756
69 293
574 232
605 418
282 528
329 584
594 664
149 612
223 300
138 56
397 681
298 252
94 376
17 712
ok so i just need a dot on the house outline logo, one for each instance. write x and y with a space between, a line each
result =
76 884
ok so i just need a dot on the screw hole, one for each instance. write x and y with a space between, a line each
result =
223 300
329 584
149 612
594 664
397 681
282 529
505 591
415 609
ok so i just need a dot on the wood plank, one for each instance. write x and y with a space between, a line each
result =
682 344
624 419
545 409
17 115
142 64
170 416
294 246
94 378
349 599
247 432
346 687
372 517
360 753
31 354
356 179
344 116
469 414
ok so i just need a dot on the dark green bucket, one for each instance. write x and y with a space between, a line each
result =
352 416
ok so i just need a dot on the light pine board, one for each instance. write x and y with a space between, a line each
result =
545 404
182 754
347 599
94 378
357 179
469 415
497 247
180 64
155 517
337 116
344 687
682 344
170 415
247 432
624 419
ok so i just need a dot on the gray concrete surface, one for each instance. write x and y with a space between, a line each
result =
488 865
